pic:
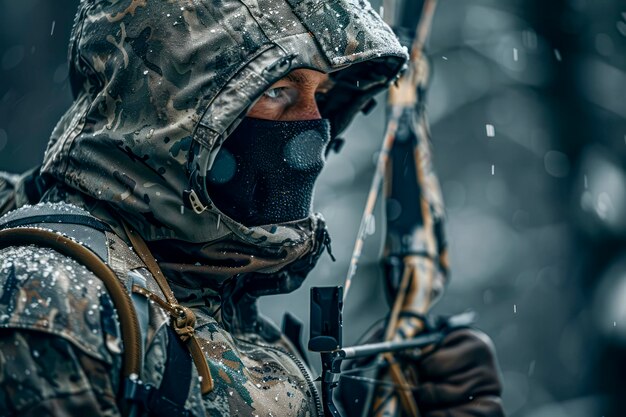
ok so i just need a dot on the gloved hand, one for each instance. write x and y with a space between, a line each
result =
460 378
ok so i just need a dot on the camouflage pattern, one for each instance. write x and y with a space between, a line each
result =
249 372
49 299
8 187
64 350
18 190
49 294
253 376
44 376
158 87
160 84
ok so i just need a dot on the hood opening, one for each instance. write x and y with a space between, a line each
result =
160 86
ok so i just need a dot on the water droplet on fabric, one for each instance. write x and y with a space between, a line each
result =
304 151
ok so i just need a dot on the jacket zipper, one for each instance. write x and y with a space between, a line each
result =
303 370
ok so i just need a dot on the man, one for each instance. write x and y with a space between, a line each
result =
187 164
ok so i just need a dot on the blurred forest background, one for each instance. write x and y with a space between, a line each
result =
537 244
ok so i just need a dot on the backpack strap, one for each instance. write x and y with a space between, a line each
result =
184 320
131 334
64 219
169 399
29 225
141 304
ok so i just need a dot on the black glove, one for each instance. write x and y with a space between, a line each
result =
460 377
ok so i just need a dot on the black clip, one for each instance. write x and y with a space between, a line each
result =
136 392
369 106
326 323
282 65
334 145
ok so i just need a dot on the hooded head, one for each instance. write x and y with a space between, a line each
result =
160 85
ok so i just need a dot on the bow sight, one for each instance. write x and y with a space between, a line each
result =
326 339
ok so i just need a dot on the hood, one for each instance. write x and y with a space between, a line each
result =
159 85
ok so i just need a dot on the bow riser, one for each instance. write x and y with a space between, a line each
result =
415 249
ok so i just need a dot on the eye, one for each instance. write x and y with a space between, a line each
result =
275 93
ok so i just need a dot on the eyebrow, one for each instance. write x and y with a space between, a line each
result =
297 78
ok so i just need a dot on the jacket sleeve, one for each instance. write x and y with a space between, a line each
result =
60 350
46 375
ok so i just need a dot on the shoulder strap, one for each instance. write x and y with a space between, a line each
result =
133 309
64 219
184 320
29 225
131 334
169 399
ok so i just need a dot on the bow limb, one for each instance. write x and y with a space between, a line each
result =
415 250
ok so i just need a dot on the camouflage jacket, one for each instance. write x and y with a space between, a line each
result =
158 86
60 348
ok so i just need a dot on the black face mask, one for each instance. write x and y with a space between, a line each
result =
265 171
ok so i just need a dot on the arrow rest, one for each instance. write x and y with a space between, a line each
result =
326 326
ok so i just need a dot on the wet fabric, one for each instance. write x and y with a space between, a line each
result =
58 319
265 172
160 85
205 268
43 375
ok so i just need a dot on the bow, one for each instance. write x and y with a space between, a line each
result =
415 256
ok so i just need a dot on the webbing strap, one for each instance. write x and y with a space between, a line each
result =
142 305
169 399
177 376
184 319
148 259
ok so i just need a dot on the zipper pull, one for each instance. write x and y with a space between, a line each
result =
326 243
